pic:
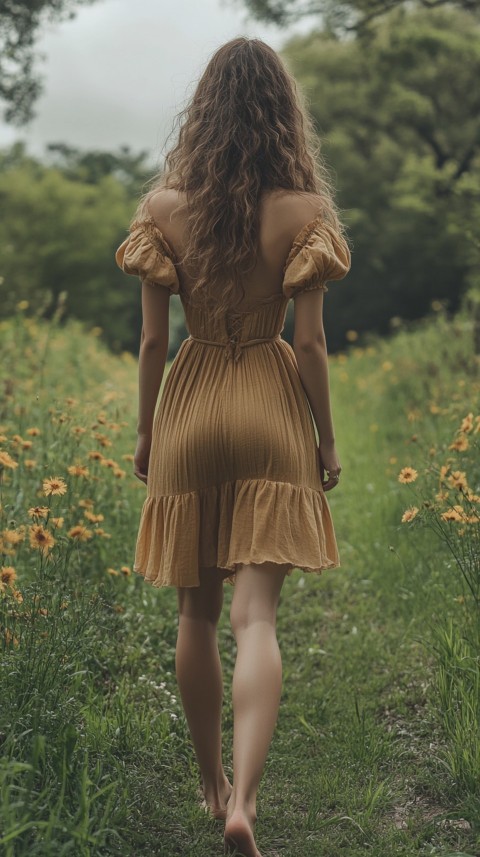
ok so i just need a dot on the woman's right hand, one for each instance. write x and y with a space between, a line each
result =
330 467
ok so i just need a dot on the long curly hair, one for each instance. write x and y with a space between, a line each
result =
246 129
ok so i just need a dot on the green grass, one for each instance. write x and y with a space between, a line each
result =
376 749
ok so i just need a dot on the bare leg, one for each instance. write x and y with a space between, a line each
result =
200 681
256 692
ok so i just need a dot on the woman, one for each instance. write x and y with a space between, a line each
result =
242 220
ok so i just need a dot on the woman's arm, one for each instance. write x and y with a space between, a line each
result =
153 353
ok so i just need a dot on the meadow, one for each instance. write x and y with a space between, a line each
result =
377 746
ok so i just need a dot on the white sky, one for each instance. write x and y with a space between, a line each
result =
118 72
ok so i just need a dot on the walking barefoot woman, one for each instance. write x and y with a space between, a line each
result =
241 221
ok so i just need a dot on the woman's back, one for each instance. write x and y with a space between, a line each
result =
282 214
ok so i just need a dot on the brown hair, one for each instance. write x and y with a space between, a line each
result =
245 130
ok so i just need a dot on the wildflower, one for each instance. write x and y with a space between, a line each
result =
458 480
128 456
30 463
113 572
119 473
6 460
441 495
103 440
443 471
38 511
33 431
70 401
467 423
57 522
86 502
456 513
77 470
460 444
79 532
7 574
409 514
54 485
125 570
392 460
109 462
92 517
26 444
407 474
95 454
78 430
40 538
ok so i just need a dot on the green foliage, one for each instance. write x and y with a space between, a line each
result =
376 746
20 24
340 18
65 221
399 115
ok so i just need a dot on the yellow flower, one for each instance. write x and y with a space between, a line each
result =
40 538
460 444
409 514
78 430
441 495
96 455
29 463
7 574
125 570
38 511
467 423
12 537
6 460
351 335
113 572
77 470
443 471
71 401
86 502
33 431
407 474
57 522
93 518
458 480
109 462
54 485
128 456
119 473
456 513
80 532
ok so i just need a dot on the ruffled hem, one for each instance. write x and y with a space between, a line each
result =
242 521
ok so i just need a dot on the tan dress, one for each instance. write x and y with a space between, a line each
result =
234 471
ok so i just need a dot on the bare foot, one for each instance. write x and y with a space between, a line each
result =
239 836
216 806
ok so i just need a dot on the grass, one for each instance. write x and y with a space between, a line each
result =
376 749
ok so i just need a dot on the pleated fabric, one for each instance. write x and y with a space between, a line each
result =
234 472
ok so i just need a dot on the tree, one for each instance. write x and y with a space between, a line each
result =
20 24
348 15
401 130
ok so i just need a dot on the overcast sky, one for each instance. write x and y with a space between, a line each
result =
120 70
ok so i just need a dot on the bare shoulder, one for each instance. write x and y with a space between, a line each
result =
292 210
162 205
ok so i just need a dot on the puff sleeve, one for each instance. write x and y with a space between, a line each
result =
147 254
318 254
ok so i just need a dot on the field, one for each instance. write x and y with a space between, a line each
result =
377 746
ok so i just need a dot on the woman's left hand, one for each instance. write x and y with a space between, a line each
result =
142 457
